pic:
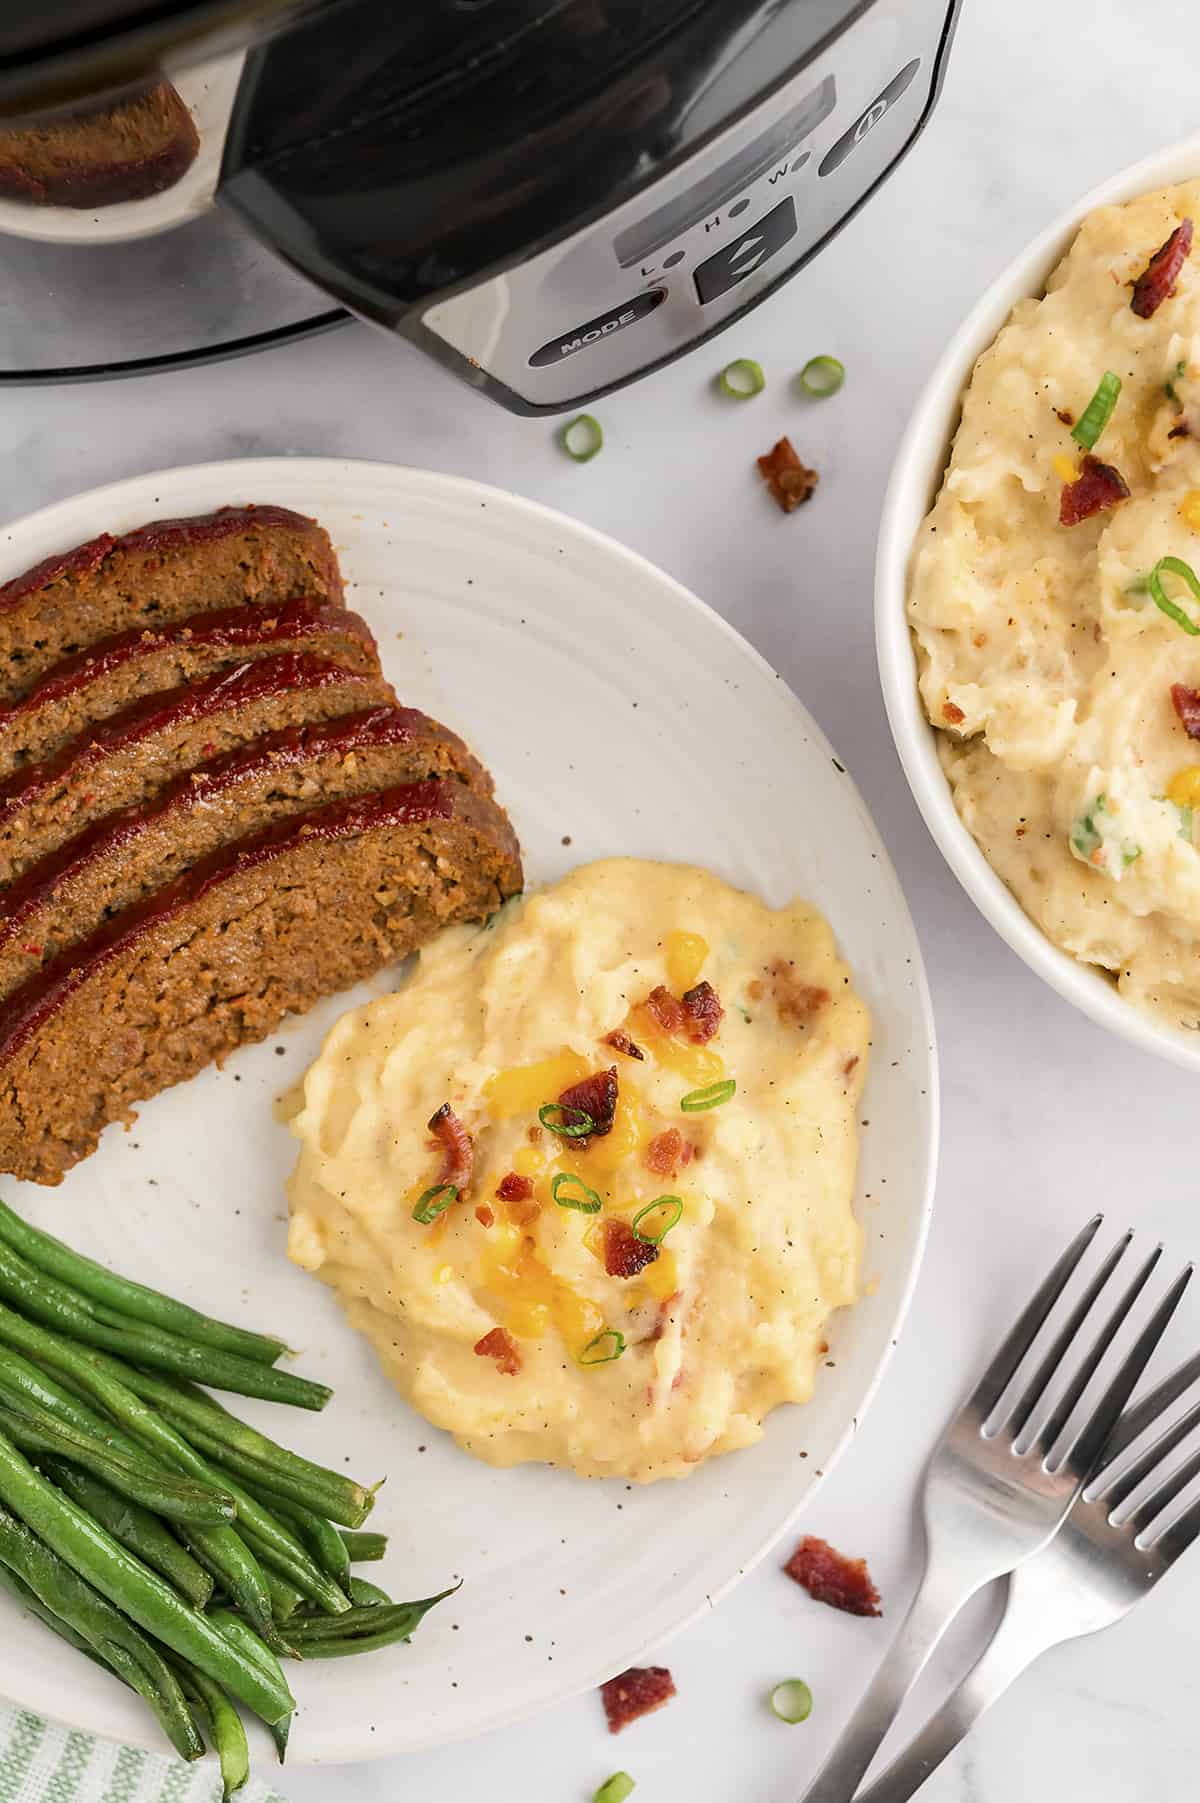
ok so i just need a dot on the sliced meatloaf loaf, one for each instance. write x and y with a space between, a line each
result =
163 571
255 930
125 759
99 155
67 896
87 688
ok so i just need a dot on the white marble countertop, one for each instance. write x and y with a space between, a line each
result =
1042 100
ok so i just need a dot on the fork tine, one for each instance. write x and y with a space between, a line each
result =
1135 1421
1179 1536
1003 1367
1165 1495
1158 1450
1058 1351
1088 1366
1093 1436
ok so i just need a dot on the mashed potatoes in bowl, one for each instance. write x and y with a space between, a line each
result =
585 1180
1054 600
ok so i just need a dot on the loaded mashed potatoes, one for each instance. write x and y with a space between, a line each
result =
585 1181
1055 602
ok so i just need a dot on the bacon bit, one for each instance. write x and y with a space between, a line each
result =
484 1215
829 1577
1157 281
457 1145
669 1014
1097 487
595 1096
498 1344
637 1692
1181 431
664 1152
624 1253
620 1041
1065 415
797 1002
35 951
534 1134
953 713
787 478
850 1066
514 1188
1186 703
704 1011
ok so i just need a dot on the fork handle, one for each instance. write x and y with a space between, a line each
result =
942 1593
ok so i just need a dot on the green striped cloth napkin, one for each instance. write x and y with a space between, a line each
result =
42 1763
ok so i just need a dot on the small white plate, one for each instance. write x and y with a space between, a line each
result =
618 714
208 90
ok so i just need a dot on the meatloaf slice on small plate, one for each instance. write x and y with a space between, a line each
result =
160 572
127 758
67 896
258 929
101 154
109 676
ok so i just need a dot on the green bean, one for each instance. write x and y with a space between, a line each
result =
363 1548
397 1619
285 1598
235 1629
164 1495
308 1579
136 1528
224 1725
83 1544
320 1537
219 1549
82 1608
25 1386
101 1285
51 1303
30 1600
365 1595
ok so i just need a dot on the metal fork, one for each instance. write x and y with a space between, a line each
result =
1089 1576
991 1500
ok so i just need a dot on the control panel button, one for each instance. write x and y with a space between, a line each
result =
746 253
866 122
603 326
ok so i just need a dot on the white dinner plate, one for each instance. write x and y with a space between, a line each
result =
208 90
618 715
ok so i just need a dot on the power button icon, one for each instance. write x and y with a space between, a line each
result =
866 122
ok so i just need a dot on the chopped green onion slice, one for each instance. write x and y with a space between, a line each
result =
792 1701
1098 412
582 438
587 1201
579 1128
435 1202
673 1207
615 1789
1176 375
697 1100
1174 566
606 1347
742 379
822 376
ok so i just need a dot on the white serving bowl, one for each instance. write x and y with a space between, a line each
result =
916 477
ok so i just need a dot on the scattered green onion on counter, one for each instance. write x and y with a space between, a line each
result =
615 1789
1174 566
606 1347
711 1096
742 379
792 1701
822 376
1098 412
582 438
570 1191
673 1208
435 1202
553 1117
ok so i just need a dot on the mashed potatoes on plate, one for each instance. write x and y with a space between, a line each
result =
1062 660
585 1181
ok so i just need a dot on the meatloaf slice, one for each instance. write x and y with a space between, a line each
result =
256 930
68 896
111 675
125 759
96 156
162 571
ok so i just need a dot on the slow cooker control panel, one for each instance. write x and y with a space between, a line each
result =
694 250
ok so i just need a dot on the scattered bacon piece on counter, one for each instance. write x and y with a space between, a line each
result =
624 1253
1186 703
1097 487
512 1188
596 1096
797 1002
620 1041
1157 281
668 1013
498 1344
703 1008
787 478
637 1692
665 1152
484 1215
829 1577
457 1145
